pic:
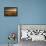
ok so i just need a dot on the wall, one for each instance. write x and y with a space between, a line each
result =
33 12
29 12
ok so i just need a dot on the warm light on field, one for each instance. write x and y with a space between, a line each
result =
10 11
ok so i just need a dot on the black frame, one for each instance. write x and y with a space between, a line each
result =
5 8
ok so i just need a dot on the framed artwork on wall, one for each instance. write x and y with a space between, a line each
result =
10 11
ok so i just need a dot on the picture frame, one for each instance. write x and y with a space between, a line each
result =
10 11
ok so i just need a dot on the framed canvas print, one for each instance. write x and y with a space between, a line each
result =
10 11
